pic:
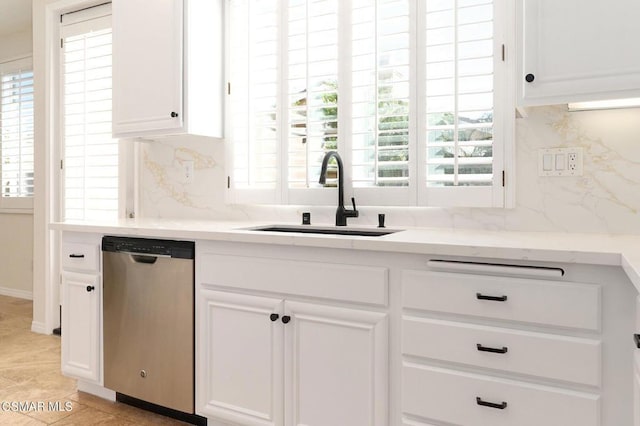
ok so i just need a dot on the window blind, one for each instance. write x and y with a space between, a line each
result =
380 92
90 184
253 106
459 92
312 88
406 91
16 128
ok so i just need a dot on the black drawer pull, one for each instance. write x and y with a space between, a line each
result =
636 338
492 350
76 256
481 296
500 406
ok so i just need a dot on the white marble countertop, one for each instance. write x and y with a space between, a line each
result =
600 249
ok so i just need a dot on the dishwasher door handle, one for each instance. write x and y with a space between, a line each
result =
145 258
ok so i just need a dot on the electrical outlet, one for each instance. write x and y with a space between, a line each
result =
560 161
572 161
188 171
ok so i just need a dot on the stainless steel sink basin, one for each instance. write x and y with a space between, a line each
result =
308 229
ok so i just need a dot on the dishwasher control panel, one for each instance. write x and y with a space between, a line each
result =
172 248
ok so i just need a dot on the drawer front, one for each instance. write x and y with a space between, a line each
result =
80 257
353 283
563 358
448 396
554 303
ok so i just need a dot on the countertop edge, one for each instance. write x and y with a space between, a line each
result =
599 249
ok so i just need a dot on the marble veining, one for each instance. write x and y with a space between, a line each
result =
604 200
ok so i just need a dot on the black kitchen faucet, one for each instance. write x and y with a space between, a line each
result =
341 213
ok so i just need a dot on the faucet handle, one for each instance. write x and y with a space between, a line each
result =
353 201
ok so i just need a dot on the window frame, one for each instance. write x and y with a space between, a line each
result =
19 204
501 194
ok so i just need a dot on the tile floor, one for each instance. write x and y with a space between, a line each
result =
30 372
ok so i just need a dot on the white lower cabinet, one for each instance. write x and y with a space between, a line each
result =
240 358
269 361
462 398
81 326
81 301
335 366
636 367
290 338
491 350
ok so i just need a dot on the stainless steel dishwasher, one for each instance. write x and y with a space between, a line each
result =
148 308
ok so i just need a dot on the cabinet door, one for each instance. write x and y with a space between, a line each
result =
636 388
239 347
147 67
636 371
578 50
335 366
81 326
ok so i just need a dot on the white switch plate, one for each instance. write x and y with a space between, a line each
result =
560 161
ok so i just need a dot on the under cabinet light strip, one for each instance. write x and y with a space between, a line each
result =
608 104
489 268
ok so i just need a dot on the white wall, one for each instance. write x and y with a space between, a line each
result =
604 200
16 230
15 45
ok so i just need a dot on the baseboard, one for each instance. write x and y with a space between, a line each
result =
39 327
12 292
96 390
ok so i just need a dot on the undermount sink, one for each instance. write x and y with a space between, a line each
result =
308 229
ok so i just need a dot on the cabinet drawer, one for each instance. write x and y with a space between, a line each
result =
539 354
80 256
554 303
352 283
450 396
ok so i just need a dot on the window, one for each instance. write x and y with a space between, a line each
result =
410 93
16 134
90 155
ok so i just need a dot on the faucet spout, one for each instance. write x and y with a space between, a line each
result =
341 213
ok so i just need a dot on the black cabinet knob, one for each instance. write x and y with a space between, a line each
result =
274 317
636 339
286 319
90 288
174 114
529 78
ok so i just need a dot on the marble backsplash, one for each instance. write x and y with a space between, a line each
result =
606 199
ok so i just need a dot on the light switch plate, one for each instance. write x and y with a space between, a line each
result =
560 161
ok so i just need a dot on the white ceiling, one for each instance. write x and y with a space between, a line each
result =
15 16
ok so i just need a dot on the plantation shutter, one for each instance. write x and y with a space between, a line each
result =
312 88
380 93
253 99
90 155
16 133
460 90
411 94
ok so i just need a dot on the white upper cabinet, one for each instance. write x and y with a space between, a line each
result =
167 68
577 50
